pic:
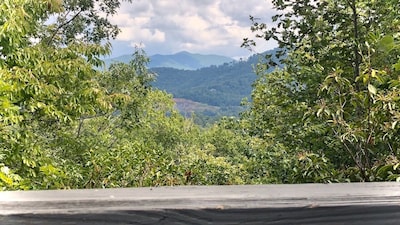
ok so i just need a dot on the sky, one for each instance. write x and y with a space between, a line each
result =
197 26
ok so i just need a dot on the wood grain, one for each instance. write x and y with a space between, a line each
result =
355 203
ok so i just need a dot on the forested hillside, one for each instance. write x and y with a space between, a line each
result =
223 85
330 114
219 82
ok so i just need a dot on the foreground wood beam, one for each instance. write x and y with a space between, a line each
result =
352 203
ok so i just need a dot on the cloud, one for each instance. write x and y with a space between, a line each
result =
206 26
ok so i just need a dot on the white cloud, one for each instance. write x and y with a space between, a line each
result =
206 26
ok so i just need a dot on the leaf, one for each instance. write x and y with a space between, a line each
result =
5 178
384 171
394 124
319 112
397 66
386 43
373 73
372 89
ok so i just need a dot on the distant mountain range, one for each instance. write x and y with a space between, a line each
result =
210 91
222 87
181 60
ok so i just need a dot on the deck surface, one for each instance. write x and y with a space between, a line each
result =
355 203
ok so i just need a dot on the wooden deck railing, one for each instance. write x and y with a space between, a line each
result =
335 204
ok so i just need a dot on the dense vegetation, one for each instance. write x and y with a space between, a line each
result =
330 115
334 107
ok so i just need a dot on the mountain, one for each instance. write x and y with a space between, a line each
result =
209 91
223 86
187 61
181 60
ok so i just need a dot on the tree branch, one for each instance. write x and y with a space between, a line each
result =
63 25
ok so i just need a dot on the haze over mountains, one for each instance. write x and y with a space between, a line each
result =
181 60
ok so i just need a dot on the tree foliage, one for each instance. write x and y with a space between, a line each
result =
65 124
330 114
44 87
336 96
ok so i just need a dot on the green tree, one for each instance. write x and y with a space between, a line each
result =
85 20
64 124
332 96
47 81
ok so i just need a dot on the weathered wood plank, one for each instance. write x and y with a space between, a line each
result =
356 203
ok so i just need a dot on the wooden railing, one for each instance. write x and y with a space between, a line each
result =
352 203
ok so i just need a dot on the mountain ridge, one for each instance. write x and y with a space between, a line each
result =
181 60
223 86
211 91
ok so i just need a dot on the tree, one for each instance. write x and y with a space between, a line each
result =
65 124
332 96
86 21
47 79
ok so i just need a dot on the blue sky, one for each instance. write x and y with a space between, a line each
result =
199 26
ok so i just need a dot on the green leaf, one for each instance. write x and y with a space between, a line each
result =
372 89
397 66
386 43
373 73
4 176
